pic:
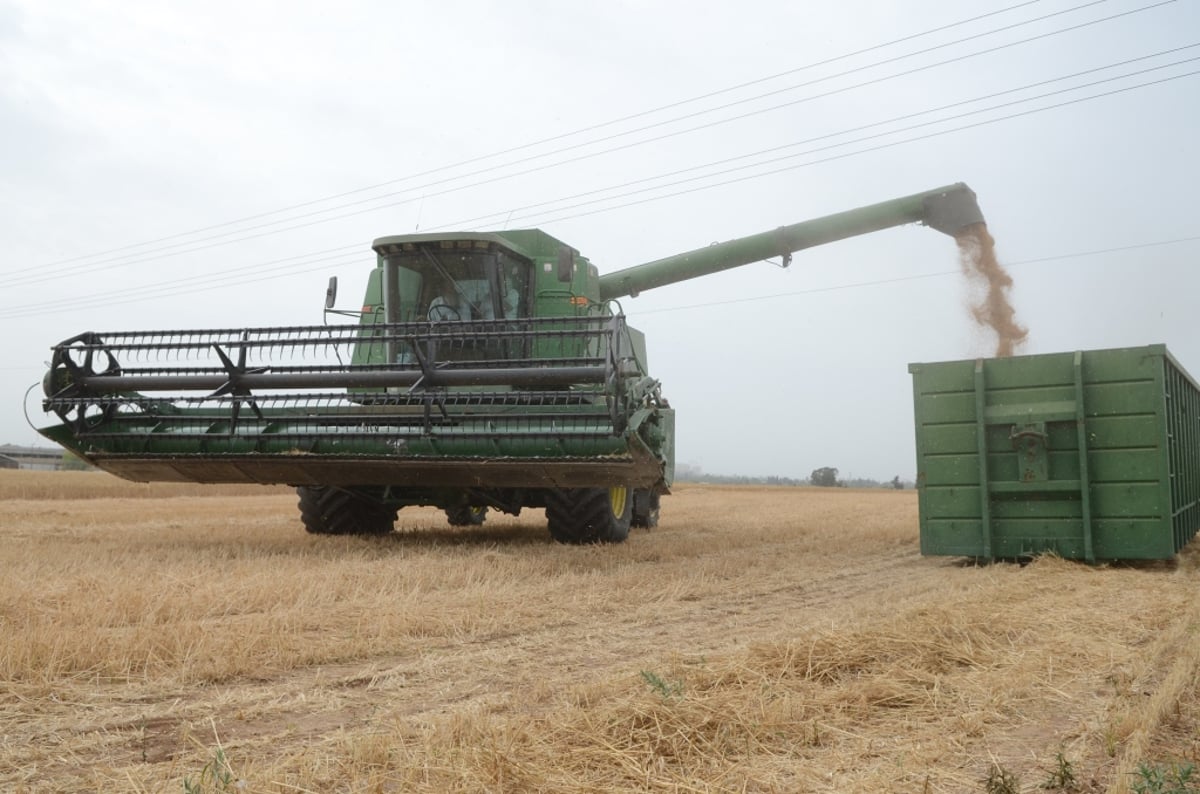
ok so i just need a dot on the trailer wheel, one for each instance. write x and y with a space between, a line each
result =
466 515
589 515
334 511
645 509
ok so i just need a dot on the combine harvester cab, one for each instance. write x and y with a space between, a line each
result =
486 371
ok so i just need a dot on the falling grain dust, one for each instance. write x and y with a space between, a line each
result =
977 255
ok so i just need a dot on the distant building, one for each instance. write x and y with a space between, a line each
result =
39 458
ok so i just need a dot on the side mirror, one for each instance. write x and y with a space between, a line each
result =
566 263
331 293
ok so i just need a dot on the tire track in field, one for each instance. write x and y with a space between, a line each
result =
706 599
502 669
499 667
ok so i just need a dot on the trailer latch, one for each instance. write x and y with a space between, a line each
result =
1031 443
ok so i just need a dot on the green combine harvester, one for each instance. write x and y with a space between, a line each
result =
485 371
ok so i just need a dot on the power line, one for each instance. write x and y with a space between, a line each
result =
915 277
158 254
654 139
283 263
165 290
191 245
814 290
845 155
507 214
706 111
562 136
169 288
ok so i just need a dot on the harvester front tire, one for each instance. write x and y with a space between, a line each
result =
333 511
466 515
589 515
645 509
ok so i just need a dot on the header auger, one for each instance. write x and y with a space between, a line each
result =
486 371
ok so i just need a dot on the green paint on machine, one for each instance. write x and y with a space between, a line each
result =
485 371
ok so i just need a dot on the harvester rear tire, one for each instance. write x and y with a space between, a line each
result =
645 509
334 511
589 515
466 515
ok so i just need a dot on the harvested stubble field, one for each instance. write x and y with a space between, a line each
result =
762 639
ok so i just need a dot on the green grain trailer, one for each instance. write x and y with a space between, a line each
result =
1092 455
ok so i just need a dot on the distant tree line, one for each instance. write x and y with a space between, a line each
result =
824 477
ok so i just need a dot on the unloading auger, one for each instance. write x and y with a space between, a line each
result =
485 370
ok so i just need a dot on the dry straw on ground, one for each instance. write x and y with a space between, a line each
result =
762 639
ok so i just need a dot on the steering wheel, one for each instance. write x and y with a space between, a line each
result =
442 312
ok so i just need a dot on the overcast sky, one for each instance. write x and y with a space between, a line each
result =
122 124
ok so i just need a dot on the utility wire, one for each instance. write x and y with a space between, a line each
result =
880 147
271 265
509 213
288 263
814 290
561 136
170 289
915 277
191 245
424 188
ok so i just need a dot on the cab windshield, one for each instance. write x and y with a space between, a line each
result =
460 280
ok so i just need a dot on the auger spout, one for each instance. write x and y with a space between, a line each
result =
947 209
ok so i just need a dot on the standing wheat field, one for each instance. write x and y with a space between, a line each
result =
171 638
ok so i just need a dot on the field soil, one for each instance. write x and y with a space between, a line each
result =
157 638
